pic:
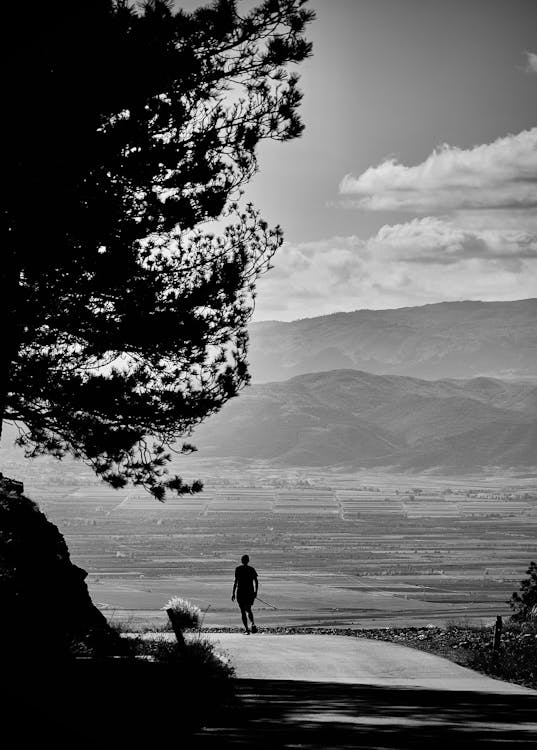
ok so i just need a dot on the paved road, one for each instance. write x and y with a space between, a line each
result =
338 659
319 692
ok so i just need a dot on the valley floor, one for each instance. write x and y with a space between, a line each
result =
333 549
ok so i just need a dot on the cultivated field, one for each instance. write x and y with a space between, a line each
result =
331 548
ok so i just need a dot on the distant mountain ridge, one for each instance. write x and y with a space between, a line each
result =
444 340
355 418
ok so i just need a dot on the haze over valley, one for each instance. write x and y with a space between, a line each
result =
355 418
444 340
364 498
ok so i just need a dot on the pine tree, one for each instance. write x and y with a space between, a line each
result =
128 132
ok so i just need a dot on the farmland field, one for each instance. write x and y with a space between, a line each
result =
332 549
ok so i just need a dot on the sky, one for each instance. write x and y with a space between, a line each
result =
416 178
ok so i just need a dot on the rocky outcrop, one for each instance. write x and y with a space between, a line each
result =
45 604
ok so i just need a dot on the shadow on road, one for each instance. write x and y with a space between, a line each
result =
287 714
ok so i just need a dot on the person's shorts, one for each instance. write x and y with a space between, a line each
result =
245 601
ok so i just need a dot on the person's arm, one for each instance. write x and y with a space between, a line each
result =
234 590
256 585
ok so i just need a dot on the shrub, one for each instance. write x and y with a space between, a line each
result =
198 659
524 603
185 614
516 661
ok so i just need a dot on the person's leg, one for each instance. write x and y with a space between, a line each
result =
244 620
251 618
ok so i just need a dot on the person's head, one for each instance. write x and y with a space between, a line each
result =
245 559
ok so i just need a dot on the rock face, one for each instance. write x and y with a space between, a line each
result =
45 604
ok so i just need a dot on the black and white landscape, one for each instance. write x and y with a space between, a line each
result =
268 285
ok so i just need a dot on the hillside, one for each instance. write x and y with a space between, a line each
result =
450 339
361 419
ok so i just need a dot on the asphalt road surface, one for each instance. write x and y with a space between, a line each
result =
321 692
332 658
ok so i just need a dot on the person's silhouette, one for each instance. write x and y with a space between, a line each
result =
245 588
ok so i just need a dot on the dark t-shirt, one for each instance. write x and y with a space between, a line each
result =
245 576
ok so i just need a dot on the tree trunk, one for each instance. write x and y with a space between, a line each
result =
177 630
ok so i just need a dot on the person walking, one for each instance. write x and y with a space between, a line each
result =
245 589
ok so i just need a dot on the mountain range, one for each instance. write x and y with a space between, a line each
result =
360 419
385 388
445 340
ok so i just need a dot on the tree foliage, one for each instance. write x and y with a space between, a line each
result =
525 602
129 131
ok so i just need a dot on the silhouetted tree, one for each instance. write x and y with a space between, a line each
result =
524 602
125 133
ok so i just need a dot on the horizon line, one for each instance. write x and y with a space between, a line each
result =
390 309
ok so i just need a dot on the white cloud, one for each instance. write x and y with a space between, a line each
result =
516 219
502 174
419 262
433 240
531 62
482 245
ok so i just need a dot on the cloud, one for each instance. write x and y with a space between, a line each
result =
419 262
433 240
501 174
481 244
531 62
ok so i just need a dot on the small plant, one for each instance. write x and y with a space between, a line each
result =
524 603
182 613
183 616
